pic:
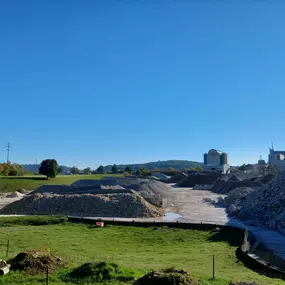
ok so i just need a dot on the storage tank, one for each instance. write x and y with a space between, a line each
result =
224 158
205 158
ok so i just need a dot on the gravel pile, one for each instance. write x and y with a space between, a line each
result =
235 197
230 181
127 205
177 177
199 178
265 178
264 206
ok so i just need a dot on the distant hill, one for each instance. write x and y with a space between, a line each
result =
161 165
35 168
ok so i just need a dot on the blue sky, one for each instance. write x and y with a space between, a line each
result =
101 82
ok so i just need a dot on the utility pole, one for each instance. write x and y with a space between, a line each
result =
8 151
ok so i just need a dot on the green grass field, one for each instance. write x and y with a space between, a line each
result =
10 184
137 249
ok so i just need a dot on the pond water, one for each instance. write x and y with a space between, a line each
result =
171 216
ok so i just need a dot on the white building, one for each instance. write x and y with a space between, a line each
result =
276 158
216 161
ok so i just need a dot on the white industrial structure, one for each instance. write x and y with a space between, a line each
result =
276 158
216 161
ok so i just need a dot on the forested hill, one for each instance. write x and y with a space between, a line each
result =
35 168
162 165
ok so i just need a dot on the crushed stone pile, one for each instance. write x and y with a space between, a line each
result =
265 178
198 178
35 262
169 276
265 206
229 182
128 205
235 197
202 187
177 177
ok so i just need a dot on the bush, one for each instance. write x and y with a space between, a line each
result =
99 272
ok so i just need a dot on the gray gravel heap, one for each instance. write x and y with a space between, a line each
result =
107 205
263 206
229 182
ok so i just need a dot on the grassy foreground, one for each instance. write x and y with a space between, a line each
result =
137 249
14 183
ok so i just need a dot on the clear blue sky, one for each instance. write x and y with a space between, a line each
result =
99 82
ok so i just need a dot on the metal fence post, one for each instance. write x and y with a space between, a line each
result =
8 246
213 276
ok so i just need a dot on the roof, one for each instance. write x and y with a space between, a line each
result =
216 151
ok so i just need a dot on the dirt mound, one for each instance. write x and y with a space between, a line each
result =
35 262
15 195
199 178
128 205
177 177
99 272
166 277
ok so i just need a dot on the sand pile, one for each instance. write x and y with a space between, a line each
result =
35 262
198 178
125 205
166 277
264 206
15 195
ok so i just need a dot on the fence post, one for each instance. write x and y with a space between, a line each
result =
213 276
8 246
47 277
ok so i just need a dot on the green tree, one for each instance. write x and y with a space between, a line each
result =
74 170
59 170
128 169
16 170
114 168
142 171
6 169
100 169
49 168
87 170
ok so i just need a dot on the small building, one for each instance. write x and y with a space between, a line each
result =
276 158
216 161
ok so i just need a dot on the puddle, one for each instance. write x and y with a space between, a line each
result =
171 216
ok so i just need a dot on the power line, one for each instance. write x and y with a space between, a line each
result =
8 151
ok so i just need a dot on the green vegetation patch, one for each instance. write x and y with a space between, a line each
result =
32 221
99 272
17 183
138 249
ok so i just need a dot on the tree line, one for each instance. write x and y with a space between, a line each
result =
8 169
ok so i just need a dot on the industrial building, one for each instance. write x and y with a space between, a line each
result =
276 158
216 161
